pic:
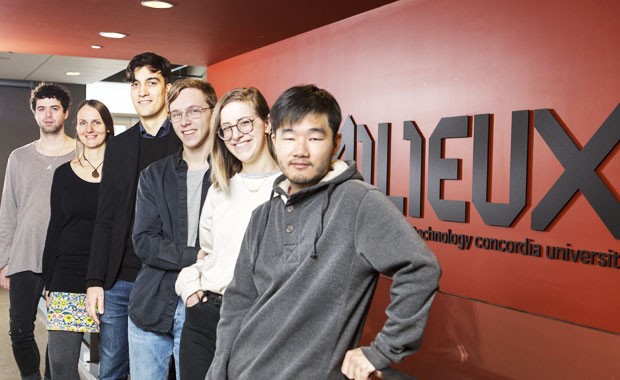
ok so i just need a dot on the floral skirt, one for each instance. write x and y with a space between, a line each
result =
67 312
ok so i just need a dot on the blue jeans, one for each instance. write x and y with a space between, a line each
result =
150 352
113 348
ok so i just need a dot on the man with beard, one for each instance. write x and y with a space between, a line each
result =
24 215
310 260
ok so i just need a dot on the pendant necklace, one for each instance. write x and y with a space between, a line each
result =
94 173
50 164
252 189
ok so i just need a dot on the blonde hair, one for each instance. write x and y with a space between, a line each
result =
182 84
224 165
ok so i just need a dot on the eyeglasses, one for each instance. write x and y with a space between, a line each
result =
191 112
244 125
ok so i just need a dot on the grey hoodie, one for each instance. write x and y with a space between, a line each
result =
306 273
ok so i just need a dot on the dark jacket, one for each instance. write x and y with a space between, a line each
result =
160 241
117 196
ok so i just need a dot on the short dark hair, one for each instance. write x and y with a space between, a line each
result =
104 112
46 90
300 101
155 63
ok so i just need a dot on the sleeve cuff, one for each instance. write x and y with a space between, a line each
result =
94 283
188 291
376 358
188 283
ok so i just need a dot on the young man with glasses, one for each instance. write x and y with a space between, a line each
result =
171 193
113 264
243 170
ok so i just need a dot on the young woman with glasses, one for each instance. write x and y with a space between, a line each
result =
73 201
243 170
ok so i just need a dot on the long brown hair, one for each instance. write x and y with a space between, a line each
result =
106 117
224 164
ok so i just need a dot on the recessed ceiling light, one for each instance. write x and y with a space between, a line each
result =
112 34
72 73
96 46
157 4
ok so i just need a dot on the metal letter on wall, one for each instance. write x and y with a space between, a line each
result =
440 169
500 214
580 170
412 134
383 164
347 144
368 153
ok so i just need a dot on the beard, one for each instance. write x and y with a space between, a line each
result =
52 129
303 181
311 178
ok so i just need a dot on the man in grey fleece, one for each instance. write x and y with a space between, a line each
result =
310 260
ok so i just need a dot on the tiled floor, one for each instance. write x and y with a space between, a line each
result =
8 368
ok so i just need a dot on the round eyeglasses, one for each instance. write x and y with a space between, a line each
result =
191 113
244 125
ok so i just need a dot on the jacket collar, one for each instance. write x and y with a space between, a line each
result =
179 162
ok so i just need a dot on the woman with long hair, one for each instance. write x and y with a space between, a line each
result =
73 201
242 174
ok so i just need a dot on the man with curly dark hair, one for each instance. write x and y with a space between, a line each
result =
24 215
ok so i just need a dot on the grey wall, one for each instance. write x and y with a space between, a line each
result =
17 124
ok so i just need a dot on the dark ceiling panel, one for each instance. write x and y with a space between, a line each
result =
195 32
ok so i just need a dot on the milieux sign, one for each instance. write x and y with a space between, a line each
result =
579 167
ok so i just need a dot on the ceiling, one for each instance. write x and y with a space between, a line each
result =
41 39
53 68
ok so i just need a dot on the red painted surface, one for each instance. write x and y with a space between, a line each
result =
467 340
424 60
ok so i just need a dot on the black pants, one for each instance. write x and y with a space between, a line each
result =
24 294
197 346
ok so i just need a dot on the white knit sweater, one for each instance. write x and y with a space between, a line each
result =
224 218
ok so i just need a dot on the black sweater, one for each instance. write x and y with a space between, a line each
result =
73 204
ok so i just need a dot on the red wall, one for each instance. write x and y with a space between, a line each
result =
516 316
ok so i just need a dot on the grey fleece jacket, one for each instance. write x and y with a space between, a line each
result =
306 273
